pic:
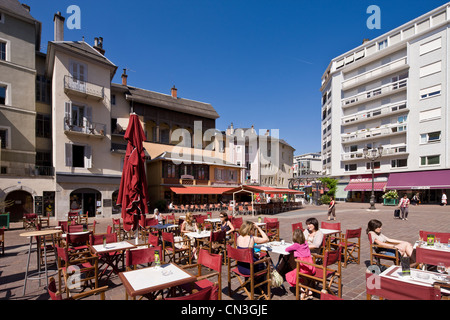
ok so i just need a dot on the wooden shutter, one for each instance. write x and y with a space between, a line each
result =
87 157
68 155
67 115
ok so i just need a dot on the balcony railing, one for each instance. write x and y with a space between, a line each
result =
375 74
29 171
376 113
84 127
374 133
83 88
117 147
358 155
375 93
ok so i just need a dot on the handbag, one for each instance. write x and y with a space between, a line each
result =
276 279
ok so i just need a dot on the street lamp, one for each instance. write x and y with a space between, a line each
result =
372 155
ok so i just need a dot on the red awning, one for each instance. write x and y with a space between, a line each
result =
199 190
259 189
433 179
365 186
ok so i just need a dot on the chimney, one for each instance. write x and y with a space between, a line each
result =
98 45
58 20
124 77
365 40
27 7
173 91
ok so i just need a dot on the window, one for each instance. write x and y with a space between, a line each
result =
402 119
113 99
376 165
169 170
350 167
353 148
430 160
430 137
398 163
430 69
382 44
77 116
430 92
43 126
430 114
2 50
43 159
5 138
3 94
78 156
430 46
43 86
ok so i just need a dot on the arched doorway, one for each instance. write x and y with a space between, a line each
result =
22 204
87 200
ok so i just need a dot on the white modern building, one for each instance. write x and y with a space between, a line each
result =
391 91
307 164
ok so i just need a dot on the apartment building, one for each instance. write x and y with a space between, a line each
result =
307 164
391 91
267 159
23 129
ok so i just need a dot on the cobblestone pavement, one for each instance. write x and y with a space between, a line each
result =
350 215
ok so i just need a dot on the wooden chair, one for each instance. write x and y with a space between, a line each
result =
73 217
30 221
45 219
378 254
94 225
138 257
78 244
217 243
83 218
236 256
444 236
350 244
2 240
117 228
324 275
210 261
76 270
272 228
74 228
63 224
236 222
175 251
56 295
298 225
209 293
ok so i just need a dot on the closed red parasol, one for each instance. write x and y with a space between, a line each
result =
133 185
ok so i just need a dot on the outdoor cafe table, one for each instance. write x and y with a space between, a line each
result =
111 255
40 236
433 254
214 221
394 285
328 232
151 280
277 247
199 236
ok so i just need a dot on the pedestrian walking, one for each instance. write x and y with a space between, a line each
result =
444 199
404 204
332 209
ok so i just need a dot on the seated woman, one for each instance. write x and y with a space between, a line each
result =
300 251
226 225
190 225
313 236
390 245
247 239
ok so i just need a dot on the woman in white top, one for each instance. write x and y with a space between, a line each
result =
313 236
374 229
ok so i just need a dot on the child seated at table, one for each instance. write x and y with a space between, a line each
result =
299 250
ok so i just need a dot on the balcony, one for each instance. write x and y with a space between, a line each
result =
375 74
84 127
83 88
29 170
388 89
375 114
374 133
390 151
118 148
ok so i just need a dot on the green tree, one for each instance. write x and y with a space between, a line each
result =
331 184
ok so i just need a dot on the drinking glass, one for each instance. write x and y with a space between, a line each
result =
437 243
441 267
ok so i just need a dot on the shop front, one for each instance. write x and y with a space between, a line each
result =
429 186
360 188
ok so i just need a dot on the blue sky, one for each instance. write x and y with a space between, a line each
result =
257 62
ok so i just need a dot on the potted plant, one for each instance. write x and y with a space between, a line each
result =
390 198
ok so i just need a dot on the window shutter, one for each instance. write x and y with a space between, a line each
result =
87 157
67 115
88 118
68 155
